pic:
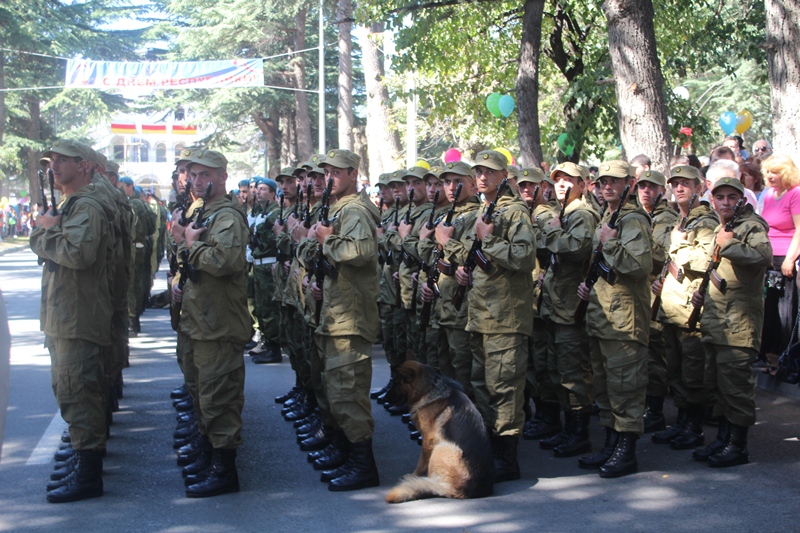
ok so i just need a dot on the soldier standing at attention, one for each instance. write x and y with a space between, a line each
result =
685 356
139 237
76 313
216 324
349 317
500 316
731 321
618 323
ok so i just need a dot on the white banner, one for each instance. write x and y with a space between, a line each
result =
165 75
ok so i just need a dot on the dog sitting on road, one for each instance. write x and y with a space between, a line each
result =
456 459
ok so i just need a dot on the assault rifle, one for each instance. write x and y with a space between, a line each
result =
187 271
307 214
476 257
711 270
655 204
415 282
668 262
398 297
599 269
42 189
322 267
51 178
533 203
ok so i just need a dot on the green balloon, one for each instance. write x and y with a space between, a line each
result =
566 144
493 104
23 194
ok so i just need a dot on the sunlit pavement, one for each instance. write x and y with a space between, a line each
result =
280 491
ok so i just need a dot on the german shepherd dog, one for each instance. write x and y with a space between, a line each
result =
456 459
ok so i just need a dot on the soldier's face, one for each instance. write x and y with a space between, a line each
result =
488 179
319 182
289 188
684 189
386 194
66 169
264 193
434 185
527 190
418 186
345 181
202 175
725 199
399 191
563 182
244 192
451 183
647 192
611 188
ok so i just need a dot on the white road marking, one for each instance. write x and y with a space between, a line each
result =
48 444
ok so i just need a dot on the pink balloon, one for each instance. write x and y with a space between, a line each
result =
452 155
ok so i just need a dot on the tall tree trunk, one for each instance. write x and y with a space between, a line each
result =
344 20
288 137
35 135
783 40
269 127
2 95
305 147
383 141
530 140
638 81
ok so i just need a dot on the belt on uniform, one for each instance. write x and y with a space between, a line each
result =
675 270
265 261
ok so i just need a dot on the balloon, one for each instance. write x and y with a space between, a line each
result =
743 121
452 155
23 194
566 144
422 163
728 121
506 105
506 153
493 104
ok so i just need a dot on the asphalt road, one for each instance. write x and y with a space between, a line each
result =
280 491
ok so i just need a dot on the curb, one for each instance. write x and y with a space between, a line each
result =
13 249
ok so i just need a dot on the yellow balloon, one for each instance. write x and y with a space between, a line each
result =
744 121
422 163
506 153
3 201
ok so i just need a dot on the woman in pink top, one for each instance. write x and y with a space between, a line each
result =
782 212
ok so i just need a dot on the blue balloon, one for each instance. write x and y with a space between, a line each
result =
506 105
728 122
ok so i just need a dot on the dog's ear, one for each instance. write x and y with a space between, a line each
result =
402 374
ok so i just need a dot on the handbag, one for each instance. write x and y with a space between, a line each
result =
789 361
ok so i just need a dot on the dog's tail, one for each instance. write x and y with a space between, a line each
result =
413 487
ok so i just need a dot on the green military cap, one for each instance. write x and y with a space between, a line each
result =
513 172
434 172
728 182
99 159
315 161
614 169
685 171
530 175
298 170
185 155
383 177
570 169
316 170
112 167
341 159
460 168
209 158
415 172
285 172
653 176
71 148
395 177
44 161
491 159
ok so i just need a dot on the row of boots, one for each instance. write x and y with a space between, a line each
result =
344 465
206 471
401 410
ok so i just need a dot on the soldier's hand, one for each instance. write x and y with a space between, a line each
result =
176 229
299 231
482 229
404 229
305 283
583 292
444 233
192 234
380 230
396 276
316 291
555 222
462 277
723 237
415 277
606 233
48 221
427 293
291 222
677 235
540 281
697 299
177 294
321 231
287 267
657 285
277 228
425 233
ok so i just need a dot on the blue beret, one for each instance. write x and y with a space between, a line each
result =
244 183
126 180
138 190
271 183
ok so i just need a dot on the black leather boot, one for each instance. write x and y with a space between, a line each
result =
65 437
85 482
578 440
545 423
598 459
318 441
179 393
290 404
271 355
334 455
506 466
692 434
64 454
723 434
185 418
284 397
309 428
185 405
623 461
381 399
65 470
203 460
185 430
666 436
189 453
654 414
551 442
735 451
373 395
397 410
222 477
360 470
183 441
